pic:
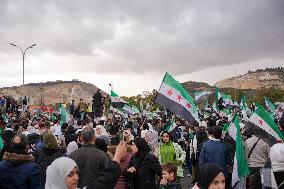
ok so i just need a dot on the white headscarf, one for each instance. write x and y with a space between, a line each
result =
103 130
57 172
153 142
72 146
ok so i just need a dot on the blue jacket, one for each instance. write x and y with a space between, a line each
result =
213 152
19 171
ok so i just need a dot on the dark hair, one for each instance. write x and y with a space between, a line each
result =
170 136
64 126
101 144
216 131
170 168
70 130
87 134
21 147
207 174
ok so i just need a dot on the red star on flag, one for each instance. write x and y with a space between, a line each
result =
188 105
169 92
260 122
179 98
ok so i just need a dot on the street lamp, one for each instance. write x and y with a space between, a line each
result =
23 53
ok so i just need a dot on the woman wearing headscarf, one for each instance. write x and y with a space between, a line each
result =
171 152
18 169
143 166
211 176
62 174
151 138
102 133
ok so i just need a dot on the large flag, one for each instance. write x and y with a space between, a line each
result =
129 110
175 98
119 111
227 100
241 167
262 125
116 101
269 105
199 94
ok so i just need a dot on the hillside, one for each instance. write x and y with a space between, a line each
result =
53 92
268 78
194 86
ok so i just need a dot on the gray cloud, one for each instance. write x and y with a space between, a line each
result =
144 36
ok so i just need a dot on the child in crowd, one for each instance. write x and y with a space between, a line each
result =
169 177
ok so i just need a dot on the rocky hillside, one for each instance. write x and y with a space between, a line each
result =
268 78
53 92
194 86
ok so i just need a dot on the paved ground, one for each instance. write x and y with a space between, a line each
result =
186 181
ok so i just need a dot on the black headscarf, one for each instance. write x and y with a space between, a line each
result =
143 149
207 174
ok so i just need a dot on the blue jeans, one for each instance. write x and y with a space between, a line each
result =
189 165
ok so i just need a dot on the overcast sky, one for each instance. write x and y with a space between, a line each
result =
131 44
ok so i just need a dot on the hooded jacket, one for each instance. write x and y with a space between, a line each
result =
19 171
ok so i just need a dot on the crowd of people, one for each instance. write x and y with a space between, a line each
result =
114 151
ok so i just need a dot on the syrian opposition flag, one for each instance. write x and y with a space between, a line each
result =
269 105
262 125
227 100
116 101
243 105
218 94
215 107
136 110
199 94
241 167
128 109
119 111
172 125
175 98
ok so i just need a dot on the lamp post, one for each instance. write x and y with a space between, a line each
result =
23 53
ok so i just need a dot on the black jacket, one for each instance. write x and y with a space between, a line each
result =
97 170
144 177
174 185
44 158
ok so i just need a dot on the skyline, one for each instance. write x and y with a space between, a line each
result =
132 44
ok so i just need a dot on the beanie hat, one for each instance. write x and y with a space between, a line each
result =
207 174
49 141
277 157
